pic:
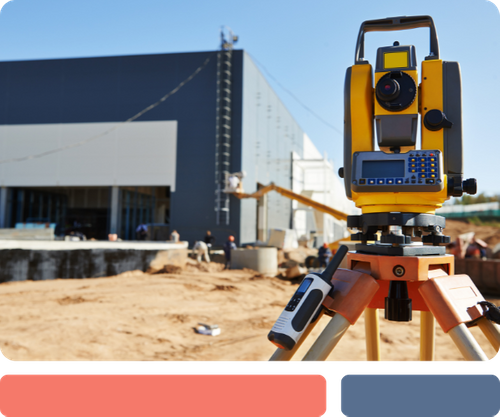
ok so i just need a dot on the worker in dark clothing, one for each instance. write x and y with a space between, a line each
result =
141 232
324 255
209 239
228 246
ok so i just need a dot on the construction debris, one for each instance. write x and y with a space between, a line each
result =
208 329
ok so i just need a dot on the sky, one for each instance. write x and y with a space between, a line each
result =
303 48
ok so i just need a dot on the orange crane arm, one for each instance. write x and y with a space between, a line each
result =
297 197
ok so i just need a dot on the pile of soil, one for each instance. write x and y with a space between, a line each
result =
490 234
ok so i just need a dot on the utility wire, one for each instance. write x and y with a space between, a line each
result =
83 142
296 99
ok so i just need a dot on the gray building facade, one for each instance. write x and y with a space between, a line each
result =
67 157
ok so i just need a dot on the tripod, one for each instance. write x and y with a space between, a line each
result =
401 284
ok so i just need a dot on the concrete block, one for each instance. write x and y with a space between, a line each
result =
27 234
263 260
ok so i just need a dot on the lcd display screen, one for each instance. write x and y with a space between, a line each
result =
304 286
383 169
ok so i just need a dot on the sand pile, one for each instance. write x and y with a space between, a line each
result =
490 234
143 316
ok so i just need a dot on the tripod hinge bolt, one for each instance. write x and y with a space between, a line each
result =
399 271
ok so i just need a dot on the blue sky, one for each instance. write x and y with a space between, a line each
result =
306 46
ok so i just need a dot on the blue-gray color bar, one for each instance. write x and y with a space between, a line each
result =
420 395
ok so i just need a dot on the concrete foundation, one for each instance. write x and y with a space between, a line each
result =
263 260
29 260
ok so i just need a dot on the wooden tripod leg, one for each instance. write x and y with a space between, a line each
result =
427 336
286 355
466 343
372 334
328 339
353 292
491 331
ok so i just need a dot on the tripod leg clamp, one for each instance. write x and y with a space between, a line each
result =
353 291
453 300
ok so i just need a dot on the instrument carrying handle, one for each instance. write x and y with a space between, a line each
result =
396 23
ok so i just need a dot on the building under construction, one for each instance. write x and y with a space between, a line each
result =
88 145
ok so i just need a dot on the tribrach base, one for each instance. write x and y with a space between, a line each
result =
450 299
400 250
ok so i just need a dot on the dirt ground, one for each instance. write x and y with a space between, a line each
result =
490 234
140 316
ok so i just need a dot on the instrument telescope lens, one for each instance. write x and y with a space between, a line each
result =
388 89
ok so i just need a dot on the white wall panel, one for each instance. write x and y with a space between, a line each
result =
134 154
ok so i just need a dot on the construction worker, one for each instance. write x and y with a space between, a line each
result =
228 247
209 239
141 232
201 249
324 255
174 236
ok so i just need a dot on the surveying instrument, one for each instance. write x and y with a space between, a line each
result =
400 263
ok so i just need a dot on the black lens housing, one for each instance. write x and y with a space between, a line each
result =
396 91
388 89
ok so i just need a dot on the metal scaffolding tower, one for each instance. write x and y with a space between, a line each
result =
223 125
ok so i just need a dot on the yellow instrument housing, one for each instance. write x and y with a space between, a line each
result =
364 106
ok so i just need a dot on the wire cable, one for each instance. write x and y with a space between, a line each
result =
83 142
296 99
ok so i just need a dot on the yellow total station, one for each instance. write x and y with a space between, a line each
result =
393 175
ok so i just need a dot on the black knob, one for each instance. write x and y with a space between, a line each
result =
341 172
436 240
397 305
470 186
455 186
435 120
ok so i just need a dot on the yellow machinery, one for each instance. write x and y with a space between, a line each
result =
294 196
399 177
397 185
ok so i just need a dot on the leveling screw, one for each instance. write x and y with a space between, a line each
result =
399 271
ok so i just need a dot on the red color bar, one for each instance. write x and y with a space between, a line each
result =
162 395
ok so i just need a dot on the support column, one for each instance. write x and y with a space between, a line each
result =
3 206
115 209
262 218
